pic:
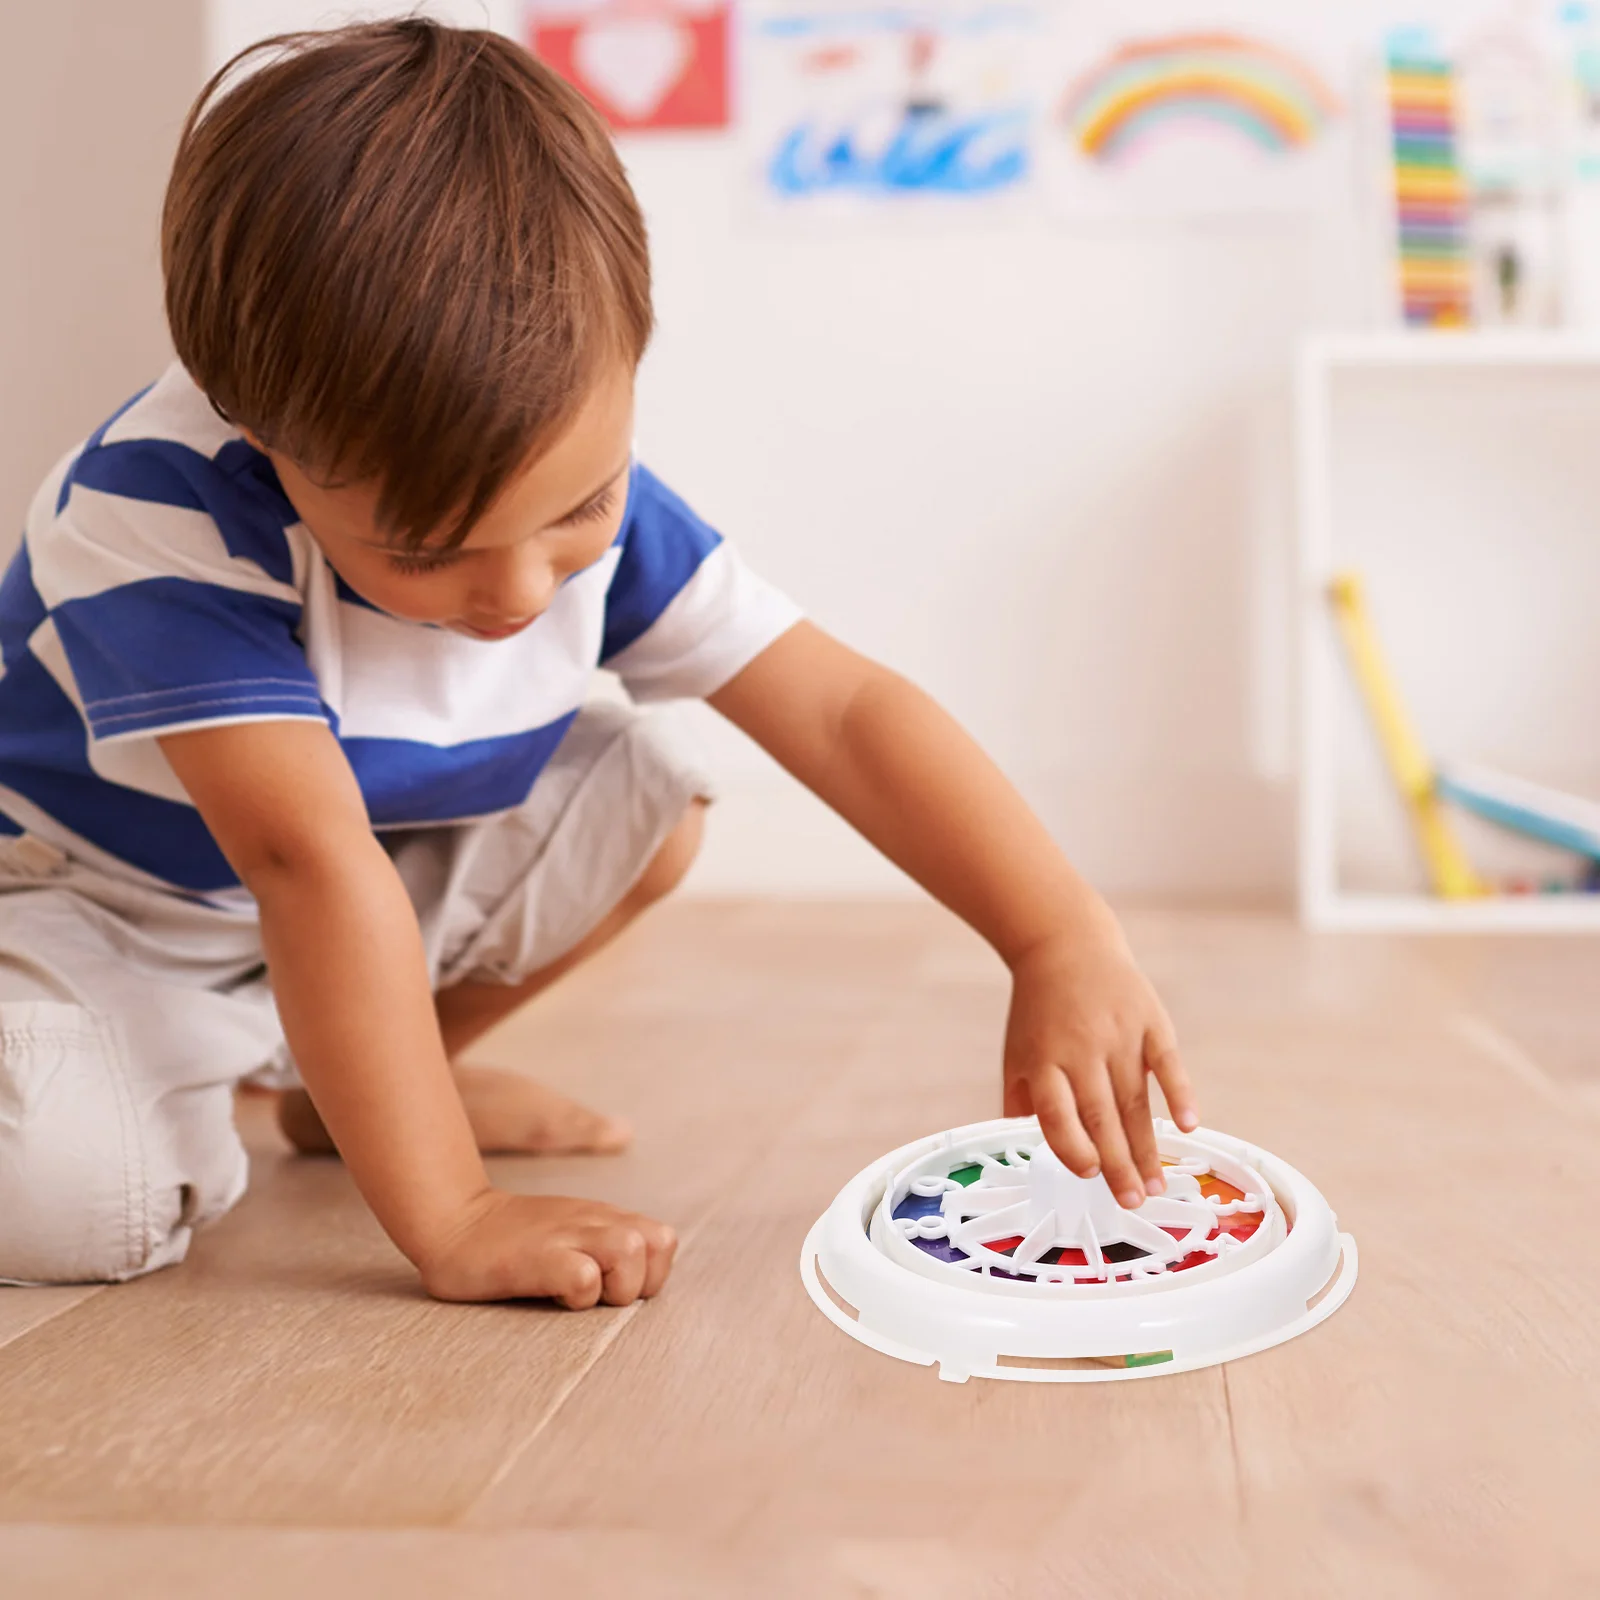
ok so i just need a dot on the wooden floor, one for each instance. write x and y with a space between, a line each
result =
285 1414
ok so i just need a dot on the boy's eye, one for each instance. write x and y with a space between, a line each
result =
597 509
423 561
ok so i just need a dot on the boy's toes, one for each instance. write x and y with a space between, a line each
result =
563 1127
514 1115
605 1136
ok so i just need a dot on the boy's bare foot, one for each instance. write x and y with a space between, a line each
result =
510 1113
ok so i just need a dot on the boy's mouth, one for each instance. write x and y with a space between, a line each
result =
503 632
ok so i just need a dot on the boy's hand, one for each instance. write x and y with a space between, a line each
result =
1086 1029
521 1246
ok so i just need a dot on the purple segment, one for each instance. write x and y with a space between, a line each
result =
917 1205
941 1250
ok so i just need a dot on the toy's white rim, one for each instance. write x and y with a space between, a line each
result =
1314 1264
1334 1295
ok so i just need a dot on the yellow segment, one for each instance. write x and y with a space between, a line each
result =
1414 91
1428 184
1422 277
1447 863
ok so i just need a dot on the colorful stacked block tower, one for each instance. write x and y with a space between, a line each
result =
1430 192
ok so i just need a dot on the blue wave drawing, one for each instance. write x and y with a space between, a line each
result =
931 151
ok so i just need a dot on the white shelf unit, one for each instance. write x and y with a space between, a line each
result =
1517 686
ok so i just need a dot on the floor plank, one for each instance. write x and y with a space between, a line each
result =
65 1563
23 1310
285 1414
1538 992
1440 1433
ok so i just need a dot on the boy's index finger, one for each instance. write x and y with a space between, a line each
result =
1138 1125
1163 1062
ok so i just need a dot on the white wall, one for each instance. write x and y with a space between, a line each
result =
1032 469
1038 470
92 94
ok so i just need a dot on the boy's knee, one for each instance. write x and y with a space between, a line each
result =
79 1201
670 864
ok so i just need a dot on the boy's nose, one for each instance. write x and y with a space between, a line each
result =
522 587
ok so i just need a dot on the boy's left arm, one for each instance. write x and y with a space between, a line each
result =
1086 1027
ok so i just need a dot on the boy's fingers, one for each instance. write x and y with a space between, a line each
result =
570 1276
1130 1086
662 1244
1097 1110
1058 1121
621 1253
1161 1057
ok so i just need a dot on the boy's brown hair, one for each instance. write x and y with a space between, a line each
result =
401 253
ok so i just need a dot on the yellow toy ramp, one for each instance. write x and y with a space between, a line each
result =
1448 868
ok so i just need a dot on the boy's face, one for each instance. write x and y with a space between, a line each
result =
554 519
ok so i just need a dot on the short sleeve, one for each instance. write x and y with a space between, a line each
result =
684 614
167 575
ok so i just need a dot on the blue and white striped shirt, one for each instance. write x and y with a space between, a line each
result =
165 582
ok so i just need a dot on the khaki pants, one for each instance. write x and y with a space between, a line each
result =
129 1013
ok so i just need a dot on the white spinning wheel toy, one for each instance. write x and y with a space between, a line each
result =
977 1249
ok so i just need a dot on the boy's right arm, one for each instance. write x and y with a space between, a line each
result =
345 955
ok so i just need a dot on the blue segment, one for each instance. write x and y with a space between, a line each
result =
406 783
21 608
44 757
919 1205
222 652
152 470
240 493
93 443
663 545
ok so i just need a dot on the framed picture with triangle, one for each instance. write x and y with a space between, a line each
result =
644 64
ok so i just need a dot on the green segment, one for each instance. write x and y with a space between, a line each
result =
1153 1359
966 1175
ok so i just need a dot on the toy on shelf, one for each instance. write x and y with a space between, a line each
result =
1549 815
1553 817
1448 868
977 1249
1535 811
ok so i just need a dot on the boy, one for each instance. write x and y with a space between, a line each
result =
296 656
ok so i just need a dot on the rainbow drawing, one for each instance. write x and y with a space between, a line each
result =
1431 199
1271 97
